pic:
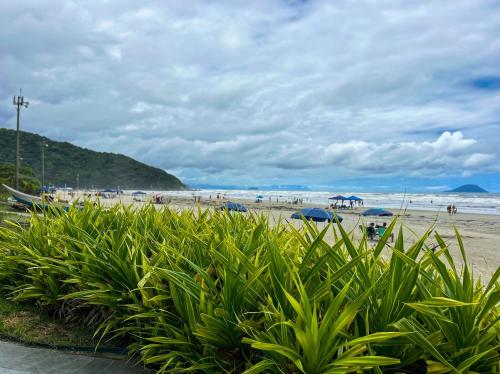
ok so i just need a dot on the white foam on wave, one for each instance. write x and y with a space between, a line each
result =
466 203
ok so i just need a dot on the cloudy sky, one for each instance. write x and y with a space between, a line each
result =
329 94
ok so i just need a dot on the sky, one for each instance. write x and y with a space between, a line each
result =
334 95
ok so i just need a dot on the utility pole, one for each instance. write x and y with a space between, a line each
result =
44 145
77 182
18 102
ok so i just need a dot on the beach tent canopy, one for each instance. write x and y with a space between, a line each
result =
315 214
235 207
380 212
139 193
110 190
338 197
353 198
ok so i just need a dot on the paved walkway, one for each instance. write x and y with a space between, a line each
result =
19 359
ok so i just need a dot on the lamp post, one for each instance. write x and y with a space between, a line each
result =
44 145
18 102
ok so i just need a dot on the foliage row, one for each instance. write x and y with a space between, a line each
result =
207 291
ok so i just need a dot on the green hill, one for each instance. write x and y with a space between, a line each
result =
63 161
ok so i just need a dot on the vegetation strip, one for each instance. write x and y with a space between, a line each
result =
210 291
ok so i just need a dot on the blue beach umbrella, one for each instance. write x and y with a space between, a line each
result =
235 207
380 212
259 197
315 214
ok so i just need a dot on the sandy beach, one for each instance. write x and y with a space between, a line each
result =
480 232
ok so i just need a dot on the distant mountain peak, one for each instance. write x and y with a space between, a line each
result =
468 188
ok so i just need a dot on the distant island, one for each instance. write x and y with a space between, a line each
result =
468 188
64 161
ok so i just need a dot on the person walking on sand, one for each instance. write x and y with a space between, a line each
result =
448 208
454 209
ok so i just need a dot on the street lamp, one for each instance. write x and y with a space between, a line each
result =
44 145
18 102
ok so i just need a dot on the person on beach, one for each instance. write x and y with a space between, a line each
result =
370 231
381 231
454 210
448 208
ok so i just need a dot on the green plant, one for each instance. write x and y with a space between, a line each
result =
211 291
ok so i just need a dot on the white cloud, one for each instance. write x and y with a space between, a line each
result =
480 161
265 90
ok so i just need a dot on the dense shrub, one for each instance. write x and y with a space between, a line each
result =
209 291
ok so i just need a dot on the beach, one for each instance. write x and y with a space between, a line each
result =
480 232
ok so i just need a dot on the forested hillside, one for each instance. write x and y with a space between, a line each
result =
63 161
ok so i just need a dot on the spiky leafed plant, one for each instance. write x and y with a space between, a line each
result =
210 291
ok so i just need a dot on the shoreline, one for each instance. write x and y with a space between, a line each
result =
431 202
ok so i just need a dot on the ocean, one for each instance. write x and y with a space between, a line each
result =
486 203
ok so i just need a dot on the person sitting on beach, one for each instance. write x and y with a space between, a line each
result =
370 231
381 231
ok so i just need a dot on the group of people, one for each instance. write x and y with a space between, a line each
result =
352 203
376 230
452 209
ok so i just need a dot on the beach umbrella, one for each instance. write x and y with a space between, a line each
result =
138 193
315 214
235 207
380 212
259 197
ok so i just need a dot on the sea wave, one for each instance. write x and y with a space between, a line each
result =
467 203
